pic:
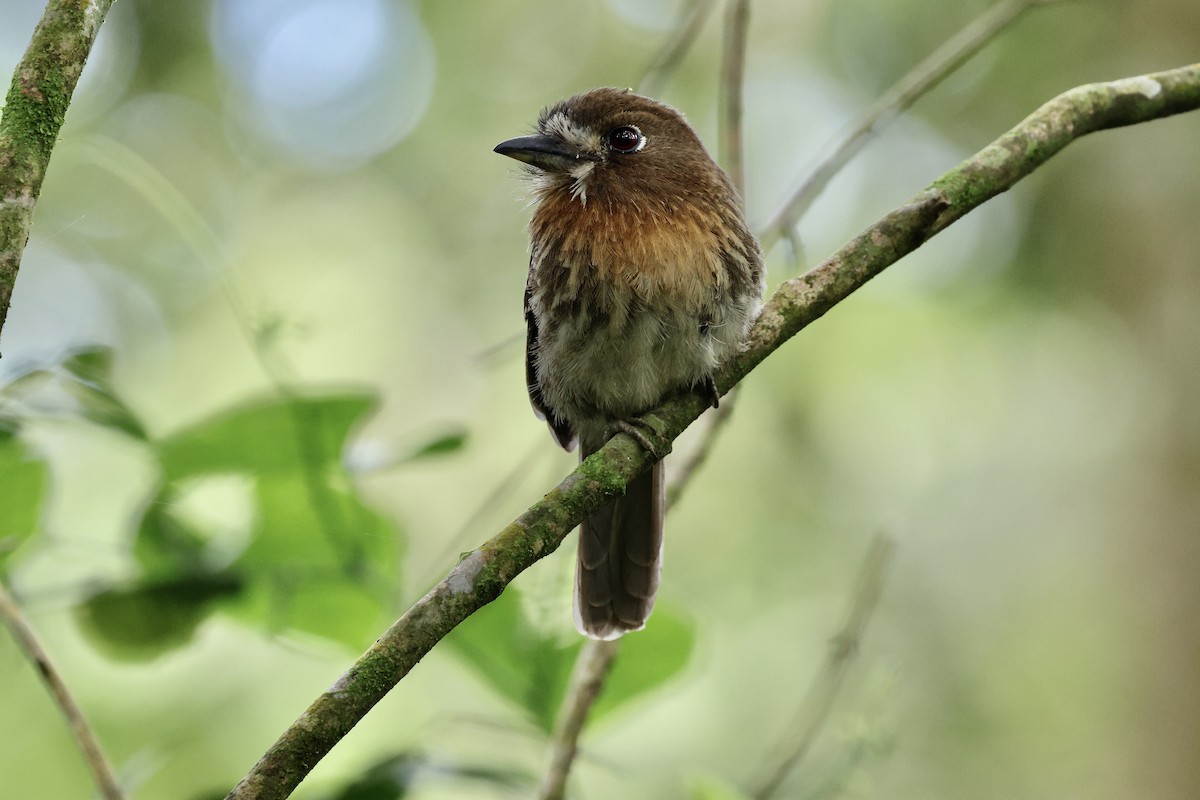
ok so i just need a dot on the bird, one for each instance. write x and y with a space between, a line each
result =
643 278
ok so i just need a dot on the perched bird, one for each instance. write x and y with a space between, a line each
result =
643 277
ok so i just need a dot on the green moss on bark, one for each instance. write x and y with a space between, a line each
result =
34 110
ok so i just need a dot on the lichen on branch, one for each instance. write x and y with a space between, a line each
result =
33 115
796 304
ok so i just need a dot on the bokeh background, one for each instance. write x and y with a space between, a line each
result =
294 267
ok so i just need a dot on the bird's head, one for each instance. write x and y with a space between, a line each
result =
617 145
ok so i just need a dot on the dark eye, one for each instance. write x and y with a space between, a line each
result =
625 139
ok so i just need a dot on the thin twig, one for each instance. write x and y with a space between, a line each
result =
591 668
733 78
482 574
716 422
670 56
916 82
595 658
818 700
594 661
900 96
85 738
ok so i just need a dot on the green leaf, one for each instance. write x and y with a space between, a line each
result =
522 663
709 787
532 667
441 445
322 604
321 561
144 621
317 560
648 659
312 522
271 436
23 483
98 399
385 780
391 778
91 365
164 545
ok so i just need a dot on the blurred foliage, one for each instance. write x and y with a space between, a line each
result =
532 666
393 777
316 559
24 481
256 204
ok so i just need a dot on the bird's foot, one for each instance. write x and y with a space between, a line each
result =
642 431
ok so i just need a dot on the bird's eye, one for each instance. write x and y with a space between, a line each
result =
625 139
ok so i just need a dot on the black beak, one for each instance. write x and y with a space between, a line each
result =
543 152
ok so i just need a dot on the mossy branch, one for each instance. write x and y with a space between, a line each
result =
37 101
482 574
33 114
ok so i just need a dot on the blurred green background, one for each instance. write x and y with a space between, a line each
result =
263 383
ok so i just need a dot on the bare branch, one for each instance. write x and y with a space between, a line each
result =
683 36
733 79
84 737
715 421
34 110
927 74
818 700
482 574
591 668
931 71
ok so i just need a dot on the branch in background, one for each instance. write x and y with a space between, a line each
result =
34 110
818 700
733 72
595 659
683 36
715 421
931 71
927 74
482 574
591 668
85 738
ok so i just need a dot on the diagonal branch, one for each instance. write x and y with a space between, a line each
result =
901 95
818 699
595 659
33 114
683 36
482 574
591 669
82 732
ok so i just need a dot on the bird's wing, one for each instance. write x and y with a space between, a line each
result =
564 434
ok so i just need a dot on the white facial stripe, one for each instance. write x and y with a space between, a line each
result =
560 126
581 172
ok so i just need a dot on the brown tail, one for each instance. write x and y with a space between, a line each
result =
620 558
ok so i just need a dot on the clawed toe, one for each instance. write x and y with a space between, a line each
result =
645 434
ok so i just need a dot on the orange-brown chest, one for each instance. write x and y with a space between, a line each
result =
655 249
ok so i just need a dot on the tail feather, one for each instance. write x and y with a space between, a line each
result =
620 559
